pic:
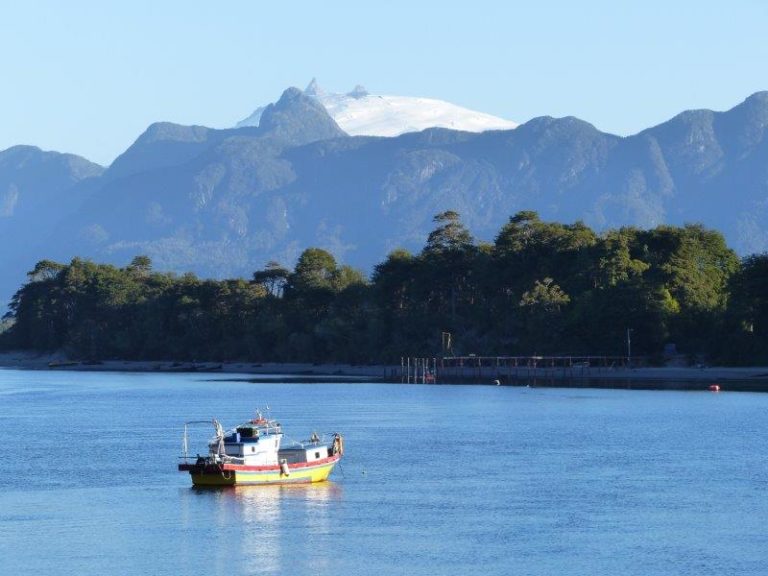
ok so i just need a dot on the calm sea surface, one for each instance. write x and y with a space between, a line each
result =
435 480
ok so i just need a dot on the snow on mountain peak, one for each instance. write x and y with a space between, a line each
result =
360 113
358 92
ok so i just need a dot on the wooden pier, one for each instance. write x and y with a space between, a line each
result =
508 370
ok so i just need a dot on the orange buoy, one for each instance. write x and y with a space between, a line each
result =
714 388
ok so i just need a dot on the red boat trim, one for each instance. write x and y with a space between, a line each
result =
243 468
294 466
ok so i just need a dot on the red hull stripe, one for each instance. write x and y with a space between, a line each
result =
244 468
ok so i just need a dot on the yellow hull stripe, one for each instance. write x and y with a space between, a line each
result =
239 477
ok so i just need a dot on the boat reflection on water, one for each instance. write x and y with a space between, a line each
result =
256 526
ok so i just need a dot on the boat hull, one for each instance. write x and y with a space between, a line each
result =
240 475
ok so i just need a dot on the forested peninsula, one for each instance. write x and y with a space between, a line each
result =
541 288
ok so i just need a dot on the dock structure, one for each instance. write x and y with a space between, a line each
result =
507 369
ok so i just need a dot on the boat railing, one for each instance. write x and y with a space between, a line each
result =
185 441
324 439
267 428
270 428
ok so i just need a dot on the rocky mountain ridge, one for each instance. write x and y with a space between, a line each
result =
224 202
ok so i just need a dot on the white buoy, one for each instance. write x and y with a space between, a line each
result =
284 468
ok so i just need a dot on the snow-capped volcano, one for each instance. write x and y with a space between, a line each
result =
359 113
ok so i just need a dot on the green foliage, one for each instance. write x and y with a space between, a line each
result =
273 278
746 320
450 236
541 287
542 308
314 270
141 265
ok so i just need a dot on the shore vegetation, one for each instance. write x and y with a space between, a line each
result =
540 288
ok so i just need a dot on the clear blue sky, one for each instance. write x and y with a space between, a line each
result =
88 77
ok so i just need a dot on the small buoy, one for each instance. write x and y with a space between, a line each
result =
714 388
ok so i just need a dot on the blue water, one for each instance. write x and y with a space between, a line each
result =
435 480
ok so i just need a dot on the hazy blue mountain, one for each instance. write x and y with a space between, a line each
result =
224 202
200 199
31 178
37 191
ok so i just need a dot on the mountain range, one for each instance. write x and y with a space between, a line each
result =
224 202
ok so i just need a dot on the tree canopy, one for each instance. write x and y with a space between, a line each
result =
540 287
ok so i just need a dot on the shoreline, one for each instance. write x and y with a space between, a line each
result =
32 361
22 360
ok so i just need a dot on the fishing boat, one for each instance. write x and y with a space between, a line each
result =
252 453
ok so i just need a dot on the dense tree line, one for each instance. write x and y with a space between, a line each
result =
539 288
